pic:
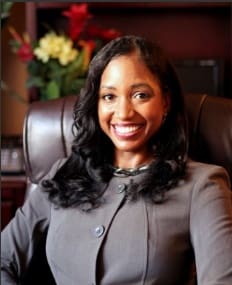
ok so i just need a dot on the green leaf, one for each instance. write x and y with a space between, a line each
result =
73 88
76 66
52 90
53 64
55 70
14 45
5 8
12 93
34 81
35 68
76 86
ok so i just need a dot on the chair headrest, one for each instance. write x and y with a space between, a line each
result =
47 135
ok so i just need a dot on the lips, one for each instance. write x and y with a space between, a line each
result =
126 130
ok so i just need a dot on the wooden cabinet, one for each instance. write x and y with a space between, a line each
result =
186 30
13 193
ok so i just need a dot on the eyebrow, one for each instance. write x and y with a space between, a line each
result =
136 85
133 86
108 87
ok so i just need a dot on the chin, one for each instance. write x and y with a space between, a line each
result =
128 148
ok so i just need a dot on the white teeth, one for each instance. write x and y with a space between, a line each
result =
127 129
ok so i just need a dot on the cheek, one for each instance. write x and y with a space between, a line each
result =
154 121
103 116
156 113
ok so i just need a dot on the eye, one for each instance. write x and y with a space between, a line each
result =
108 97
141 95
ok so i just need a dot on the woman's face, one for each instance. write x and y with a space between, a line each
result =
131 105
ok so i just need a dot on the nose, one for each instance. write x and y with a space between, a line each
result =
124 109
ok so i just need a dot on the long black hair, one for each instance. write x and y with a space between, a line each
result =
84 176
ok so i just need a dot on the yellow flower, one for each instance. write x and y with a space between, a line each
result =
57 47
67 53
41 54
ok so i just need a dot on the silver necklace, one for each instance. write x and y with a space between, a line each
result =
124 172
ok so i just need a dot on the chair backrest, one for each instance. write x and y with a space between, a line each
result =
210 129
48 136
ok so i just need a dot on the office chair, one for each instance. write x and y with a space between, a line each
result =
48 137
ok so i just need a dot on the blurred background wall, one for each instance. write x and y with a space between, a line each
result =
14 75
187 31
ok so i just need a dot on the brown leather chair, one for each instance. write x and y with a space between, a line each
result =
48 137
210 127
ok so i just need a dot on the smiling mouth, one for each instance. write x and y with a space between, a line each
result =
126 130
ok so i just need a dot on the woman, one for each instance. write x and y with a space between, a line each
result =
128 206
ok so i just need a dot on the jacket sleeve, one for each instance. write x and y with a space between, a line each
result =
21 235
211 227
24 232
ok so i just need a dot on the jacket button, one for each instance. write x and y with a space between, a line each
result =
121 187
98 231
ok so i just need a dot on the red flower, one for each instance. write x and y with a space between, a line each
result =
22 46
25 52
105 34
78 14
88 47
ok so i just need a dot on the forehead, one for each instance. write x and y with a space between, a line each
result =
130 66
128 70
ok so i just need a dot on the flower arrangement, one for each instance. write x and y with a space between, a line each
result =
57 63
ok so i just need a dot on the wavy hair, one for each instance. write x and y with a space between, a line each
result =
83 178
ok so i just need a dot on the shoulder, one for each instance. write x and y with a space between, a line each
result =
198 172
208 180
202 182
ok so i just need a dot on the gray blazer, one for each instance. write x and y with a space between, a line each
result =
125 242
